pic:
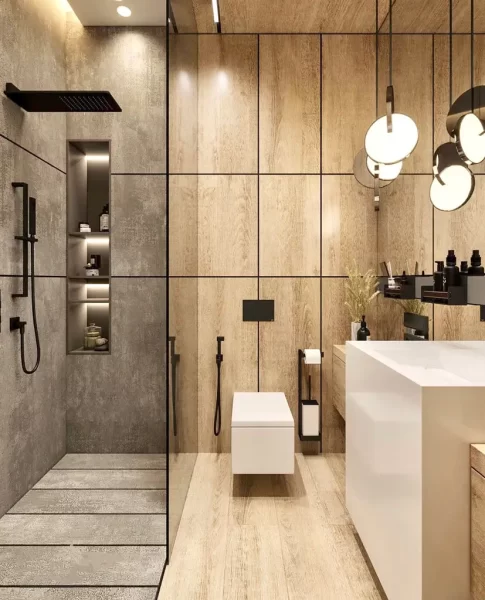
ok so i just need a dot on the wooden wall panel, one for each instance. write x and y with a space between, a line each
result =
406 224
458 323
432 16
289 225
413 90
183 216
228 104
183 325
478 534
183 103
309 16
220 313
462 230
349 98
335 330
290 104
228 225
349 227
296 325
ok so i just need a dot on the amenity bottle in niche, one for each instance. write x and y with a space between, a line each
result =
104 219
438 276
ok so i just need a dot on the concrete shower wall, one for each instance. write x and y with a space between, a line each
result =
116 403
32 149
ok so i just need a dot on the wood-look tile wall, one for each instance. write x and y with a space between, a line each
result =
280 215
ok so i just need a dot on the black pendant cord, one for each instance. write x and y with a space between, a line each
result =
390 42
34 321
472 52
451 53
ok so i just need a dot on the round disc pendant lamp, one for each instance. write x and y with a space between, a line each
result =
470 132
392 138
453 184
386 172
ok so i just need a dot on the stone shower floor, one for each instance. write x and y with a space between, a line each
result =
93 528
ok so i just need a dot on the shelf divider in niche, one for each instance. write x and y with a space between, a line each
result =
88 192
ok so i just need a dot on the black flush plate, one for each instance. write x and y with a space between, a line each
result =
258 310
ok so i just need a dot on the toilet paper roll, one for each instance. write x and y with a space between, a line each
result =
313 356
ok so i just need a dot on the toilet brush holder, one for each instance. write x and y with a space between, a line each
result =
309 410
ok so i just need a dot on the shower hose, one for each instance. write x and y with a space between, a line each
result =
34 320
218 413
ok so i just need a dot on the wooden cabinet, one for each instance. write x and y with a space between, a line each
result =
478 521
338 379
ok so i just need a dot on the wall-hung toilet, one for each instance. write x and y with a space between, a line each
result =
263 434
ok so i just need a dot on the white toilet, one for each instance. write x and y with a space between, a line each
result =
263 434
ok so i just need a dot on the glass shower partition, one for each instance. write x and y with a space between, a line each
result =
182 253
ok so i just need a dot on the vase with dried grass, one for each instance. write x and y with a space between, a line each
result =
360 291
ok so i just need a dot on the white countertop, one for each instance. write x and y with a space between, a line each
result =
431 364
261 409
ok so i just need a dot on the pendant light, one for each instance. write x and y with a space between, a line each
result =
453 183
386 172
392 138
469 132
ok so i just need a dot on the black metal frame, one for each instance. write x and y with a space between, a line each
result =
24 238
301 402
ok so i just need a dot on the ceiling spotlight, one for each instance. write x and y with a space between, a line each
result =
454 183
386 172
215 10
123 11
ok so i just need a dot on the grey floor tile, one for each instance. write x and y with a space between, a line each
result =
82 529
91 501
51 566
103 480
112 461
77 593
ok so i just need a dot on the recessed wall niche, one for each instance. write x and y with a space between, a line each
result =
88 246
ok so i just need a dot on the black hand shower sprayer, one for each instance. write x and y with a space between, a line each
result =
27 237
218 415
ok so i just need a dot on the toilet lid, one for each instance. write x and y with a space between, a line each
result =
261 409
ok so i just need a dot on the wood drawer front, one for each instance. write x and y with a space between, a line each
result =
339 385
478 535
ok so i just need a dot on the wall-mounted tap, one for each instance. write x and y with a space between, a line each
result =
218 412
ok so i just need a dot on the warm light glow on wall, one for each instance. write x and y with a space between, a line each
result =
66 6
97 157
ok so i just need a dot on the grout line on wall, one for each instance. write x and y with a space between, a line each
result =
321 241
333 33
32 154
432 159
259 197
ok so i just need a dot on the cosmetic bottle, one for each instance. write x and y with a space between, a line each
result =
363 334
464 267
91 334
104 219
451 274
438 276
475 267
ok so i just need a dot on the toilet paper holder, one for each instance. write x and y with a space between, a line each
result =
309 410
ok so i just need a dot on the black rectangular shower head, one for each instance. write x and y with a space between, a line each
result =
62 101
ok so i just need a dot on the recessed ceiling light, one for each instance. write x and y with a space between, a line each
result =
124 11
215 10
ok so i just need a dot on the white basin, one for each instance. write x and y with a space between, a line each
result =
412 410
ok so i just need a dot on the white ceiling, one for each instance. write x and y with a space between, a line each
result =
103 12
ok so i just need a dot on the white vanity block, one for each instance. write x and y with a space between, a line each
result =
263 434
412 410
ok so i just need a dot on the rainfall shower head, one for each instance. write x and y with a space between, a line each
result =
62 101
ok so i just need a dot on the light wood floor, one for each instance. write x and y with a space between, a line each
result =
268 537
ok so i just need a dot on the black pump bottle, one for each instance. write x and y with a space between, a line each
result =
438 276
363 334
475 267
451 273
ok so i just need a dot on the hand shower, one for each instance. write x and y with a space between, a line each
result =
218 415
29 232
